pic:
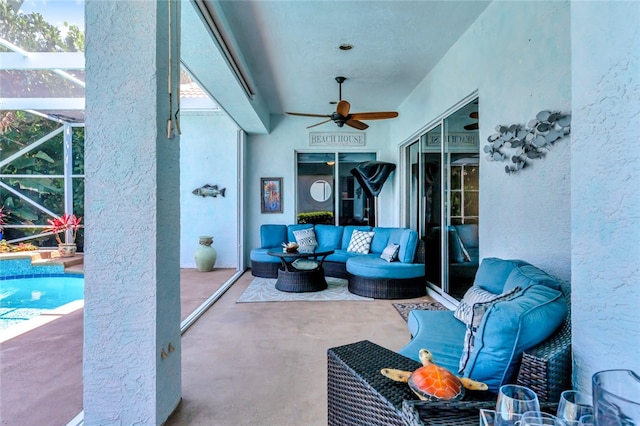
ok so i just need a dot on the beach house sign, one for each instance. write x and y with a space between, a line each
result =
336 139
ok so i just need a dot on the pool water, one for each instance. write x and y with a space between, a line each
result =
23 298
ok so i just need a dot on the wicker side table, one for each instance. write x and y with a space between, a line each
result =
358 394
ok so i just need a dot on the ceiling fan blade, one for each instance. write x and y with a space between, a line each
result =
356 124
343 108
373 115
472 126
474 115
301 114
317 124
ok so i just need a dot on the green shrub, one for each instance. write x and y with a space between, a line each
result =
315 217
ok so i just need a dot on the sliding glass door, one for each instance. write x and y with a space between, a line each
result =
442 172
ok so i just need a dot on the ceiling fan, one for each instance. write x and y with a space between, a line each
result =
342 115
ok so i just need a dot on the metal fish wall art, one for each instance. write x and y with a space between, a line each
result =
209 191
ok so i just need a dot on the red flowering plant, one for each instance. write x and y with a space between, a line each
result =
64 223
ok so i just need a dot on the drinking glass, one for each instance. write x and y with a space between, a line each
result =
573 405
587 420
538 418
616 398
513 401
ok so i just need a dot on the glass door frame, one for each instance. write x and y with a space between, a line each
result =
405 190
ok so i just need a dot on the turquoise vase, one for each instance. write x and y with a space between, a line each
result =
205 255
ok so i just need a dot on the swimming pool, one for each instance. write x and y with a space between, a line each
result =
27 291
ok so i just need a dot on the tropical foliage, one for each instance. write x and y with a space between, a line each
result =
19 129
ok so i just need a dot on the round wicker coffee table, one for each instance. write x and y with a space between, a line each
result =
301 271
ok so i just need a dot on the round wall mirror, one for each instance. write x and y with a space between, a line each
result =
320 190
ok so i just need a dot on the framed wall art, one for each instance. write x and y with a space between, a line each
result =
271 194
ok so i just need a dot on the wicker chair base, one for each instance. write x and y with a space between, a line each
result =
546 368
335 269
264 269
387 288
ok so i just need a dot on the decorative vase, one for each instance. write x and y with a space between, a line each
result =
205 254
616 398
67 250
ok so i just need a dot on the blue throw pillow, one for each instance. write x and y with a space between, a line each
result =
527 275
511 327
493 272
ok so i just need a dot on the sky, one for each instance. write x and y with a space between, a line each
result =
56 12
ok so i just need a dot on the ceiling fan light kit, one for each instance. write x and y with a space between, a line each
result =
343 116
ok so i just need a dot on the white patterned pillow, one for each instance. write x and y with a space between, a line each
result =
306 239
390 253
474 295
478 311
360 242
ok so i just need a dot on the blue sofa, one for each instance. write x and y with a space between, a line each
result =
524 306
368 274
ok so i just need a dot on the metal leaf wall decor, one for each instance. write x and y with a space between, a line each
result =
519 144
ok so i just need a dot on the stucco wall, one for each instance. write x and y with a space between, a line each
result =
209 155
605 180
273 155
132 278
517 56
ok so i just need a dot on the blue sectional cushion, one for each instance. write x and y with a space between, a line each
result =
372 266
493 273
341 256
440 333
527 275
385 236
260 255
273 235
509 328
329 236
346 234
408 245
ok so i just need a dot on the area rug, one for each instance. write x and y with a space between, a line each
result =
264 290
404 308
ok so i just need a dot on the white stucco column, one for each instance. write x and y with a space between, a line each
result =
132 214
605 177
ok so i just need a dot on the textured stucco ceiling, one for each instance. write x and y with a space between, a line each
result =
291 48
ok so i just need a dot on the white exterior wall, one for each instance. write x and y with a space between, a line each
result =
209 155
517 56
605 182
274 155
132 276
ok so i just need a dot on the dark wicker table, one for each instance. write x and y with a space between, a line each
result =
358 394
294 280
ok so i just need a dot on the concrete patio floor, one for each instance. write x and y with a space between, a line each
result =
242 363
